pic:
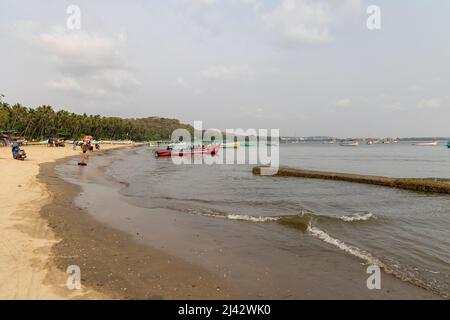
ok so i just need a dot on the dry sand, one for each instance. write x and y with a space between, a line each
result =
26 239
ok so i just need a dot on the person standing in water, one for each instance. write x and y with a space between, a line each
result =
84 157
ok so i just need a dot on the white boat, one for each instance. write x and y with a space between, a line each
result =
426 144
349 144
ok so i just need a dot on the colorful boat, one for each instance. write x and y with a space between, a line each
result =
187 151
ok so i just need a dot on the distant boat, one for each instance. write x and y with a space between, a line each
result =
448 144
389 141
349 144
426 144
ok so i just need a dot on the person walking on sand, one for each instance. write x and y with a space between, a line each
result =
74 145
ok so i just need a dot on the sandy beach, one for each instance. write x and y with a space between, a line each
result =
25 270
37 245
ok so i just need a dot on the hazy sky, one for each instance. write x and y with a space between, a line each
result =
306 67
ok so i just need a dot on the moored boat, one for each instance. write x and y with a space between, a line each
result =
426 144
354 143
187 151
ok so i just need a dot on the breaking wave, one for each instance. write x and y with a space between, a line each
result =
393 268
232 216
358 217
357 252
307 221
304 217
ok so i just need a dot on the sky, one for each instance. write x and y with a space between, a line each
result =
302 66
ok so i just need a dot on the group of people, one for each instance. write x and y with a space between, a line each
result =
19 154
56 142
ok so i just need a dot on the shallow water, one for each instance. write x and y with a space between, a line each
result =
225 207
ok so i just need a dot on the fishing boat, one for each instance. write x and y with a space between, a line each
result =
187 151
448 144
349 143
426 144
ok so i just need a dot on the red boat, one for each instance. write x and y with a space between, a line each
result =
187 151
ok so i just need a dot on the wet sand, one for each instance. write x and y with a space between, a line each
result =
111 261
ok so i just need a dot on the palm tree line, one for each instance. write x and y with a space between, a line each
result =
41 122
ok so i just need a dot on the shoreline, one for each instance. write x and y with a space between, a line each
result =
113 263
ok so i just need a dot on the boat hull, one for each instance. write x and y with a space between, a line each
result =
426 144
182 153
349 144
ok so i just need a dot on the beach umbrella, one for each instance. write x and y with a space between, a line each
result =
88 138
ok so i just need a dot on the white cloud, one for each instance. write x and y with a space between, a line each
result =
260 113
300 21
225 71
208 2
88 64
432 103
394 106
82 51
344 102
180 82
309 21
414 88
64 84
351 6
